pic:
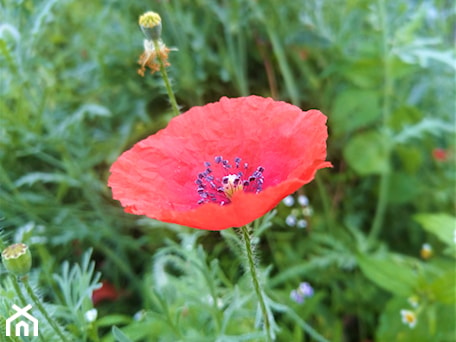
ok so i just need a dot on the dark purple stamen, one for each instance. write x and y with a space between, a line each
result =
215 189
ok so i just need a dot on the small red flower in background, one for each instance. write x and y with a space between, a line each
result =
222 165
440 154
106 292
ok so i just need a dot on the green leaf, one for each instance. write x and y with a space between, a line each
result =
363 73
353 109
111 320
119 335
441 225
368 153
411 158
429 126
435 322
46 177
444 287
403 188
394 273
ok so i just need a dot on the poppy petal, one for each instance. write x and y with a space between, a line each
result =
156 177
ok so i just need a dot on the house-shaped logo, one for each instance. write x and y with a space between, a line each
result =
22 325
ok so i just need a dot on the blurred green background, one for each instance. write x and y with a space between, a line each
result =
382 71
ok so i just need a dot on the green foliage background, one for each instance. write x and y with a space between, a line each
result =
71 101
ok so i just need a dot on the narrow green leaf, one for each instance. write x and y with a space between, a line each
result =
119 335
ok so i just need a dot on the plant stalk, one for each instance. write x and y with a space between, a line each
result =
43 311
22 299
388 89
164 75
256 283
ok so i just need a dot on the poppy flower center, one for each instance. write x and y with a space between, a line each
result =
220 180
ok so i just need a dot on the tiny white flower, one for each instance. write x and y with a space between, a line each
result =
426 251
288 201
209 299
291 220
409 318
91 315
301 224
413 301
139 315
307 211
303 200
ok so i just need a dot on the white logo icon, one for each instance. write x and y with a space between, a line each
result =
22 325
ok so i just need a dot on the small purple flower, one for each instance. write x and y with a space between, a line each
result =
296 297
306 290
302 292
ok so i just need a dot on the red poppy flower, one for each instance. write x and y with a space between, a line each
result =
222 165
439 154
106 292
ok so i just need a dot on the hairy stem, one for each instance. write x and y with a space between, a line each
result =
164 74
22 299
256 283
18 291
43 311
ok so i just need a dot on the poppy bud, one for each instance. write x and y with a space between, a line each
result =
150 23
17 259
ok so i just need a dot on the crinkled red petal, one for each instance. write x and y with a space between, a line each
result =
156 177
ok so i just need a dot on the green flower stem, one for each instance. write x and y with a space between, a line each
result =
164 74
377 222
306 327
18 291
22 299
40 307
388 91
326 203
256 283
